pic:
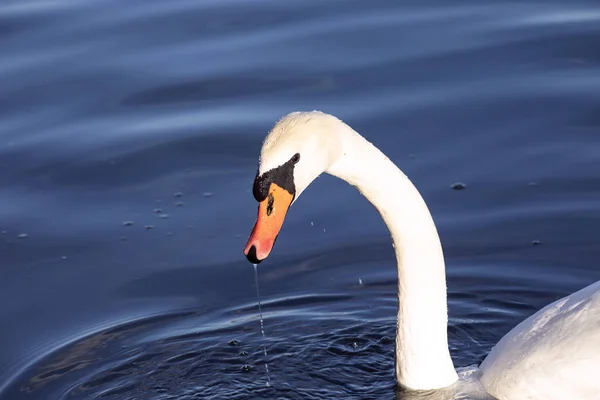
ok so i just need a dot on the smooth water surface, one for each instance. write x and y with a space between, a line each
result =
129 138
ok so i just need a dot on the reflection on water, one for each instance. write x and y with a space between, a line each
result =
112 111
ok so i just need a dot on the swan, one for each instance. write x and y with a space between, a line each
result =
552 355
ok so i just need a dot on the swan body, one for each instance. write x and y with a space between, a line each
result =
552 355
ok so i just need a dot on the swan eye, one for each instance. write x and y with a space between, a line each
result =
296 158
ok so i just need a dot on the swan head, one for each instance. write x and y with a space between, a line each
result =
300 147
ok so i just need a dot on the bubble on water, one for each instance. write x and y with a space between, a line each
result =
4 232
312 223
63 257
243 353
169 234
207 194
127 223
163 216
246 368
179 204
324 230
535 242
23 235
123 238
158 210
360 281
148 227
178 194
234 342
458 186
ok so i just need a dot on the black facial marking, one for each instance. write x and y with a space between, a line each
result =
270 204
282 176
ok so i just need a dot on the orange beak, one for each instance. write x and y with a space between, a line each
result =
271 213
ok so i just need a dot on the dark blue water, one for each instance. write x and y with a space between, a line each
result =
129 138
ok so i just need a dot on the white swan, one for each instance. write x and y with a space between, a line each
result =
553 355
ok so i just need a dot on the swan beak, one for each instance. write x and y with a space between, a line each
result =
271 213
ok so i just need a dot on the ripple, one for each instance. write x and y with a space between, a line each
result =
189 353
564 16
288 302
119 362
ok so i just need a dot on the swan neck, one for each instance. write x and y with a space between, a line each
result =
423 359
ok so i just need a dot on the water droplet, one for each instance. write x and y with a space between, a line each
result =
178 194
163 216
179 204
312 223
459 186
23 235
324 230
535 242
360 281
246 368
148 227
262 326
207 194
127 223
158 210
64 257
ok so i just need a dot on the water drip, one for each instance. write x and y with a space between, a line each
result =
262 325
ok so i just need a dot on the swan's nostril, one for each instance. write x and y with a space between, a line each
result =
251 256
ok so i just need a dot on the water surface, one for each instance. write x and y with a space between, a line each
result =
129 137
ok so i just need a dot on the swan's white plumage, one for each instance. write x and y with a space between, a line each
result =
554 354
